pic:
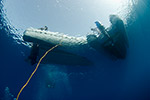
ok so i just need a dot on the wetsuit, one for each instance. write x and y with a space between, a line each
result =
34 54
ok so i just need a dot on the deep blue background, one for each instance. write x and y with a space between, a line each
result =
127 79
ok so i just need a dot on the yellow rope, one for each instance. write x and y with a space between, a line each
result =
36 69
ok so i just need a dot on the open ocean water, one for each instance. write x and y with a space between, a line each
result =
127 79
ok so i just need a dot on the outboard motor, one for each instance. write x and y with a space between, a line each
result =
113 39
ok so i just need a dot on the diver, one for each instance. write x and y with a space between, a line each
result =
45 28
32 58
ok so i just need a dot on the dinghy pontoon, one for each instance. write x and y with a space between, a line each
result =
113 40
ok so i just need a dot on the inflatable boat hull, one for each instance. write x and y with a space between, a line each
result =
71 51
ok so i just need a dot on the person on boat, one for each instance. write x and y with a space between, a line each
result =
32 58
45 28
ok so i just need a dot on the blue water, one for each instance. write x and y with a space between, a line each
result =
126 79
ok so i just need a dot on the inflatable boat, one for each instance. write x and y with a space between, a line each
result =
69 52
72 50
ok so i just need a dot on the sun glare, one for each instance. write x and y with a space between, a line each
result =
111 4
115 1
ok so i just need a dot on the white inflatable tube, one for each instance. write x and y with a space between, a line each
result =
72 50
68 43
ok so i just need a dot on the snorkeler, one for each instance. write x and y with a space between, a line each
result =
32 58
